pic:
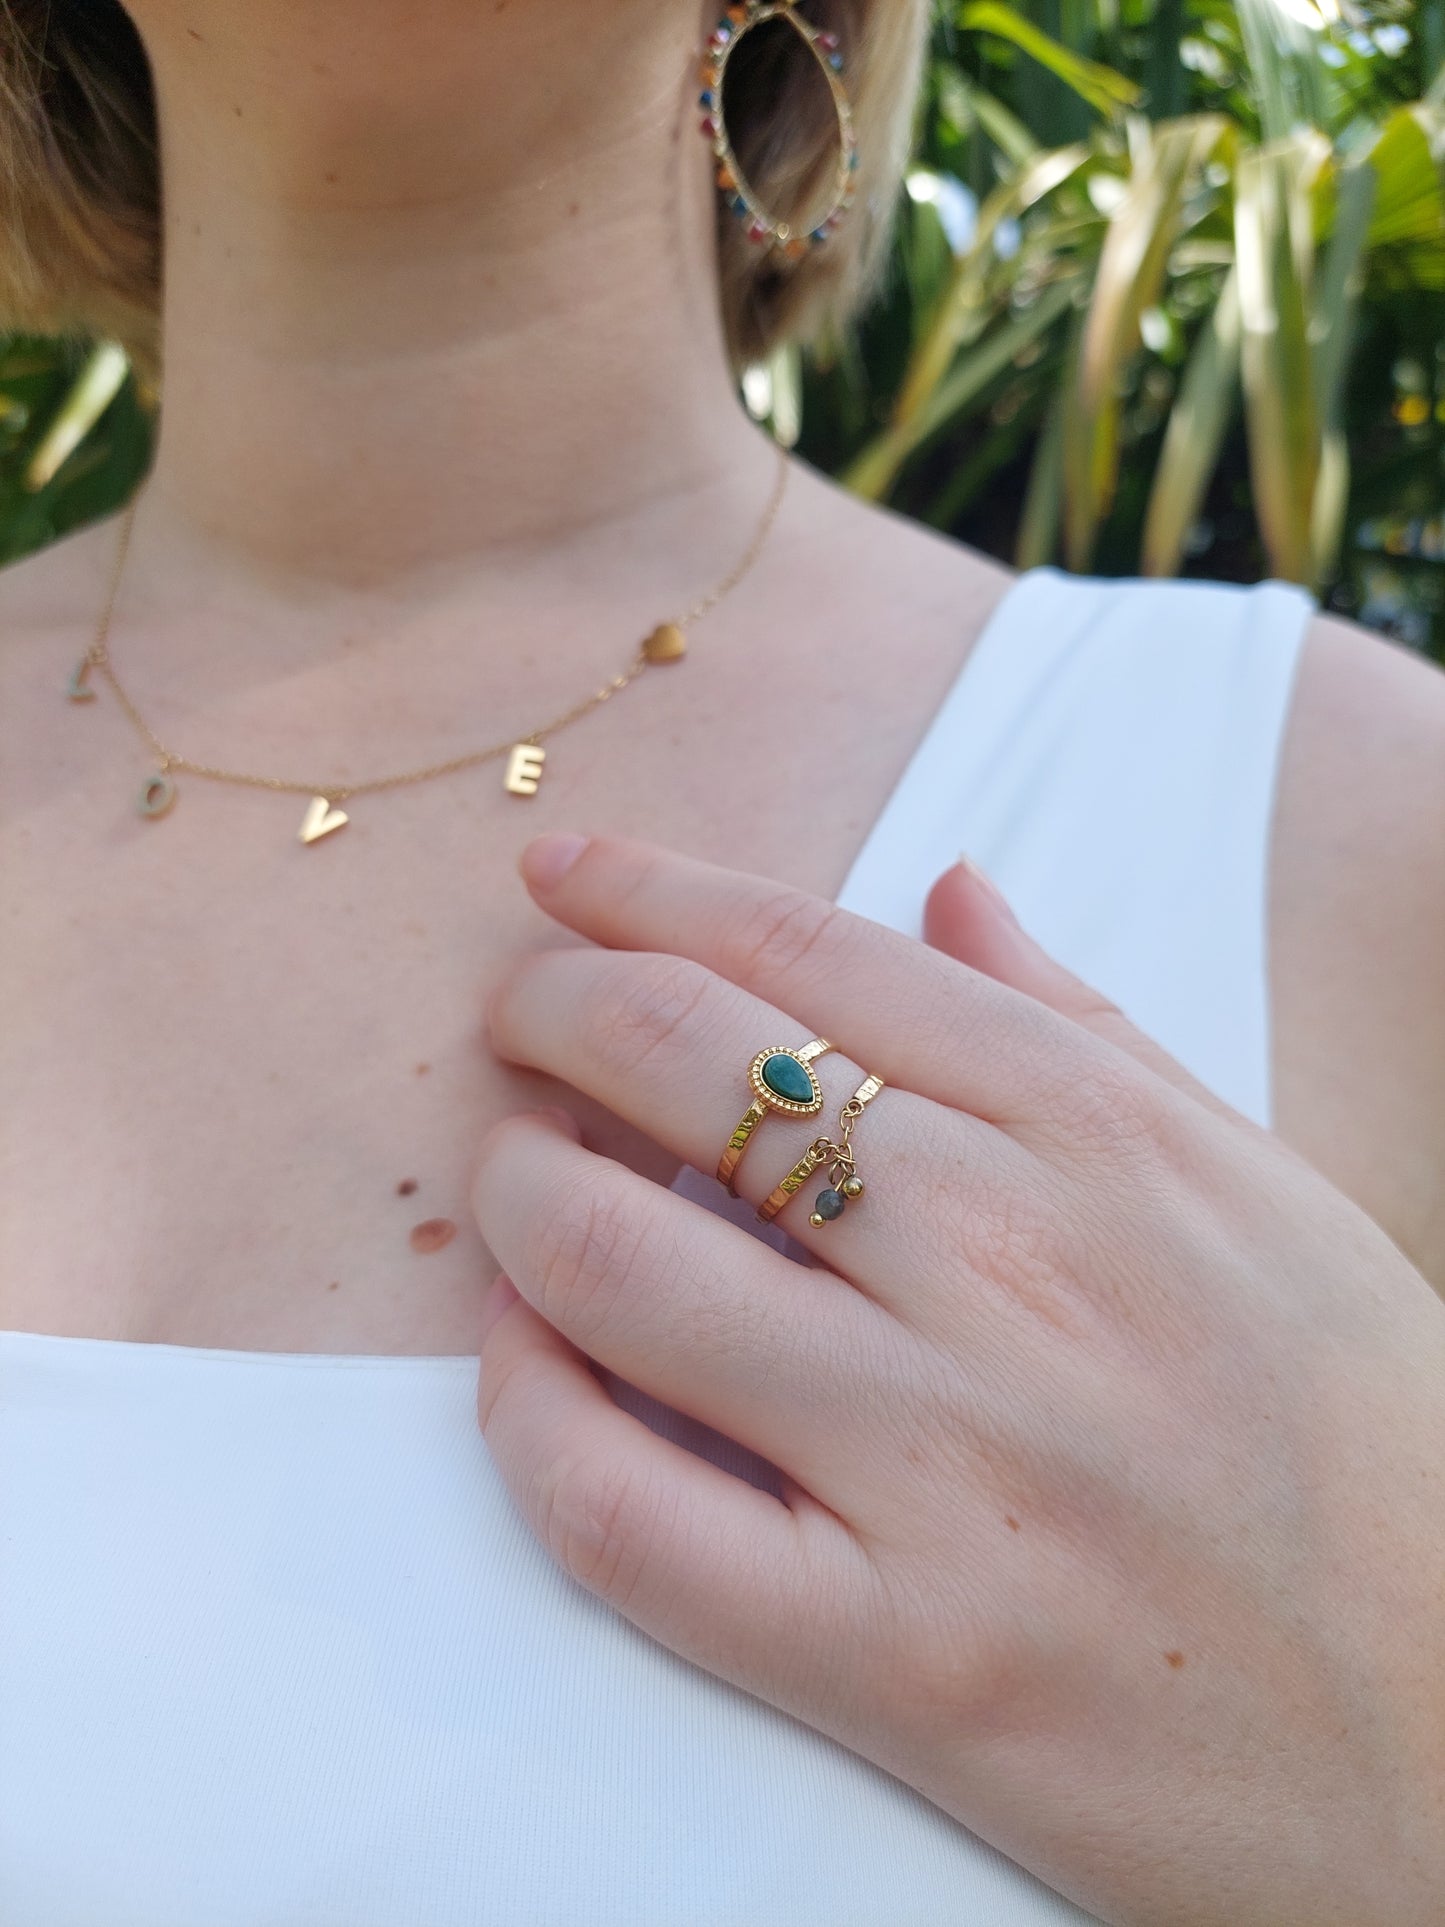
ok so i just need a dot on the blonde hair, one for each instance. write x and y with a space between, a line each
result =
80 227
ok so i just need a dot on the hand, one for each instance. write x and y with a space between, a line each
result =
1112 1437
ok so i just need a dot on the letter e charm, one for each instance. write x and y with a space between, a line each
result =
524 768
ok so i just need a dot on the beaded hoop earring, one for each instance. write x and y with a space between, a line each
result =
758 224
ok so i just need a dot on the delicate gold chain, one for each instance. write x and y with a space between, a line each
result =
99 655
823 1149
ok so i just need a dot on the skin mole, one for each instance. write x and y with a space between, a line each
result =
1176 1660
432 1234
406 1187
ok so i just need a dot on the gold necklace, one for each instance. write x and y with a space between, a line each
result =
525 756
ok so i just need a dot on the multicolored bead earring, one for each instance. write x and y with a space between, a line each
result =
760 226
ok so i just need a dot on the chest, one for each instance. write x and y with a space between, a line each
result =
242 1079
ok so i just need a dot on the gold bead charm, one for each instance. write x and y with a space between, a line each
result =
844 1183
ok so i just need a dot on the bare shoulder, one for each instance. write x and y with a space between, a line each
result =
869 551
1358 908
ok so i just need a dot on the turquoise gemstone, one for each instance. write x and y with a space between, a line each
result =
788 1078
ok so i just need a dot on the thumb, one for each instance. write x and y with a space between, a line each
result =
968 917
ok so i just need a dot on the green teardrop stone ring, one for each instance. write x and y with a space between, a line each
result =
782 1080
783 1076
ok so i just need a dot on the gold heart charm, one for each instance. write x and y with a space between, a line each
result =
321 819
667 643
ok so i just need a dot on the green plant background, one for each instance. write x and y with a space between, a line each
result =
1167 296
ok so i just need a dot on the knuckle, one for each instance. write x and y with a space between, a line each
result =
1028 1257
1112 1106
600 1521
782 932
643 1009
1014 1245
583 1249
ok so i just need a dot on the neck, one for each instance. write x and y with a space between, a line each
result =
439 291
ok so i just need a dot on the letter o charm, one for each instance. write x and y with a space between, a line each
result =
157 795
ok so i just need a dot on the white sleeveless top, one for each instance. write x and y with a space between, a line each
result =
277 1651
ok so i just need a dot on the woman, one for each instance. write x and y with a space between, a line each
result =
1062 1537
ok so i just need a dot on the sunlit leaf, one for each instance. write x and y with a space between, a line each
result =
94 389
965 308
872 472
1007 132
1038 536
1129 279
1409 163
1102 87
1284 67
1332 317
1274 238
1192 440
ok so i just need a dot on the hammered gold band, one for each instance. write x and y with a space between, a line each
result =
793 1183
782 1080
823 1151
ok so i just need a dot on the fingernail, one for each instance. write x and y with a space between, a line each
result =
564 1120
547 859
502 1294
988 886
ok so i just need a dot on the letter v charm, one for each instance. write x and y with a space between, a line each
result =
321 820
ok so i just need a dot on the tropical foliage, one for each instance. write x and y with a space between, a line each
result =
1168 295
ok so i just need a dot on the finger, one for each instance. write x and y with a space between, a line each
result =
666 1044
682 1304
920 1019
967 916
715 1568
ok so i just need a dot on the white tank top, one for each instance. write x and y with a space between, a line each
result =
277 1651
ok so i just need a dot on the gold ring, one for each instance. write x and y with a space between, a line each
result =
782 1080
844 1182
